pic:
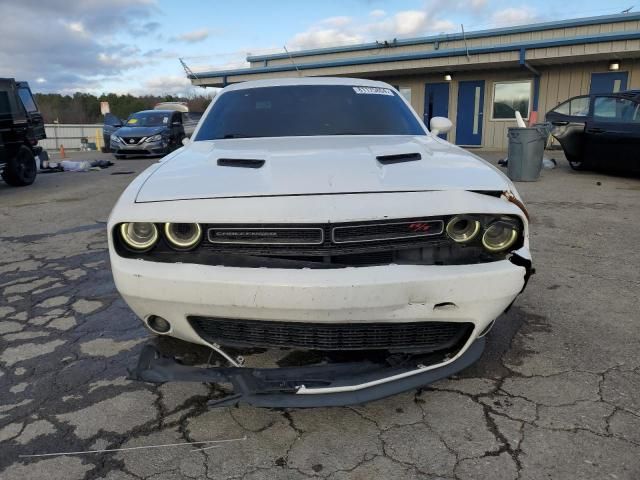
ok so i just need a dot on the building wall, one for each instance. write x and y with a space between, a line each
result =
557 84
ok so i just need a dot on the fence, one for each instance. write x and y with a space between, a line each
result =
69 135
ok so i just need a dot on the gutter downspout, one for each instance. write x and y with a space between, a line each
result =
536 81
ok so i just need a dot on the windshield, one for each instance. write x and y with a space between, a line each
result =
308 110
148 119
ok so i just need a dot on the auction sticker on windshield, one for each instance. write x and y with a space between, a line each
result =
373 91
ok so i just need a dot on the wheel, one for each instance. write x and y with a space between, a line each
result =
21 170
119 157
576 164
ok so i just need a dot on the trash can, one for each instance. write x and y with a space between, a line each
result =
526 150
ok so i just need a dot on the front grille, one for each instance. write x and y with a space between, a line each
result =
128 141
266 236
403 241
407 337
314 241
387 231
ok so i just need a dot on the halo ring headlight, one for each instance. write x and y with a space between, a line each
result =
499 236
463 229
183 236
139 236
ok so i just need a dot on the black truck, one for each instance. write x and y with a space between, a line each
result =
21 126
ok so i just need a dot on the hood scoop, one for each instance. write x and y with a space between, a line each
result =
240 162
398 158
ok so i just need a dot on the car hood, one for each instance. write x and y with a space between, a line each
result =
318 165
138 131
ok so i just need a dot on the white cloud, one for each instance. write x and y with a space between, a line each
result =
515 16
410 22
478 4
69 45
76 27
377 26
317 37
336 22
193 36
167 85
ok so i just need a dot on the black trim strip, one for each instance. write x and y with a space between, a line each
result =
240 162
399 158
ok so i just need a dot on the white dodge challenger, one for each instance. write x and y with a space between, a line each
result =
319 215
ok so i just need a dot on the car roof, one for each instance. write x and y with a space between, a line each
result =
155 111
631 93
294 81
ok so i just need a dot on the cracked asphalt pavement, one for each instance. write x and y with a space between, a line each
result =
556 394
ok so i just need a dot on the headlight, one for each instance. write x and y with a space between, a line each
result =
115 138
499 236
139 235
155 138
463 229
183 236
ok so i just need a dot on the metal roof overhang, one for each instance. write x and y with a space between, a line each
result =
537 27
485 57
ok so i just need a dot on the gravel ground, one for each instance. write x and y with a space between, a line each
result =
556 394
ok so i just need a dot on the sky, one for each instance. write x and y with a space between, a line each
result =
134 46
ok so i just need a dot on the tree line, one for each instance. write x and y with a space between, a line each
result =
85 108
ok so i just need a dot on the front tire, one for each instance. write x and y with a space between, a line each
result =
21 170
119 157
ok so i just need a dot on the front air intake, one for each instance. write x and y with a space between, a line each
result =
406 337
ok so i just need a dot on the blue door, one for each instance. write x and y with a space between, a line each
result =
436 102
470 113
610 82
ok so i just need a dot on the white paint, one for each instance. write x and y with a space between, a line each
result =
440 125
335 179
476 111
304 165
617 85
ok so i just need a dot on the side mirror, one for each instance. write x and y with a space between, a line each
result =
186 141
440 125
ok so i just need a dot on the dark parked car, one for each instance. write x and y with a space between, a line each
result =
111 124
21 126
148 133
600 131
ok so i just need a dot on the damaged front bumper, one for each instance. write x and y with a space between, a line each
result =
324 385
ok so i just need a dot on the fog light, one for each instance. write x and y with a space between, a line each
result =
499 236
158 324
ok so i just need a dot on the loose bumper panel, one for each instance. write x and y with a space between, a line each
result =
336 384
